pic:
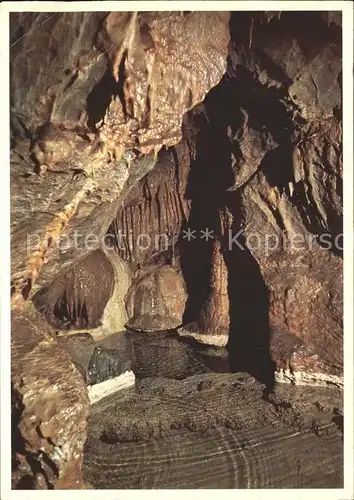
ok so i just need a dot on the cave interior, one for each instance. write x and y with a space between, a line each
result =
191 268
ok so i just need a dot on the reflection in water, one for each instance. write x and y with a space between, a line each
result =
185 426
168 356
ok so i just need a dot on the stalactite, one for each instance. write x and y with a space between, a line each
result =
156 208
78 298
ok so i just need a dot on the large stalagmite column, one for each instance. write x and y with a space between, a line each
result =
214 314
213 322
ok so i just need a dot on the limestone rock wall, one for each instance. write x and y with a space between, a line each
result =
262 155
152 216
85 87
292 204
156 300
50 408
265 176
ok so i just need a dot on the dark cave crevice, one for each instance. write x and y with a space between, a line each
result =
277 166
249 336
265 106
119 85
210 176
99 99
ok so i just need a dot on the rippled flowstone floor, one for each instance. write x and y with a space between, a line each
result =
186 425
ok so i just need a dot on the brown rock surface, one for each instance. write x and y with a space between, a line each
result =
150 220
270 151
80 346
70 124
78 298
296 242
214 316
215 431
156 300
261 154
69 90
49 420
147 49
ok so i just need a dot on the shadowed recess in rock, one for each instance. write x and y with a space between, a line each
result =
99 98
260 153
249 336
242 314
209 176
78 298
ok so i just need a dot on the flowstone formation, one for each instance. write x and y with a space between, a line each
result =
169 170
94 97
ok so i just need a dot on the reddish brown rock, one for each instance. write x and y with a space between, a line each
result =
306 302
266 143
156 300
214 318
49 418
150 220
78 298
295 236
146 49
270 149
167 69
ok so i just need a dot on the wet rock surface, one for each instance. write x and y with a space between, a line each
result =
99 361
149 222
262 155
275 200
75 120
67 177
105 364
190 423
80 346
147 48
115 312
166 356
215 431
78 298
156 354
156 300
51 407
277 189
